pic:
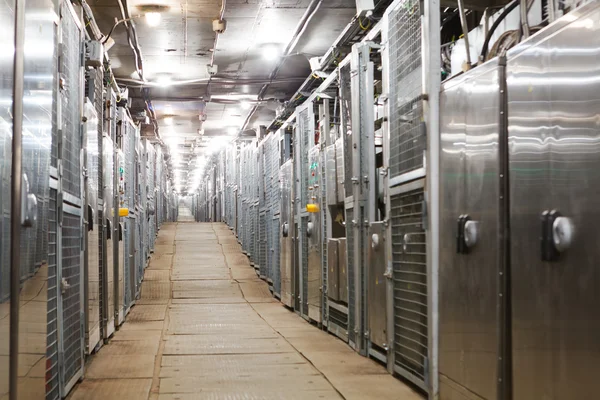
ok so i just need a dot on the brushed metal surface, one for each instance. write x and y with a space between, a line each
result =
37 310
331 175
92 248
7 25
343 270
376 290
286 218
333 275
314 239
108 294
554 153
468 336
339 161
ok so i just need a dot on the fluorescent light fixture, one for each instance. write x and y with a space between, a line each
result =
168 120
153 18
271 53
164 80
245 105
232 131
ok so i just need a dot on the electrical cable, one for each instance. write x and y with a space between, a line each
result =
311 10
118 21
511 6
132 32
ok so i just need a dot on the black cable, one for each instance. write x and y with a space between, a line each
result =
113 29
495 25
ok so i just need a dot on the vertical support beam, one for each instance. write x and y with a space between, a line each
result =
363 177
431 87
385 60
16 188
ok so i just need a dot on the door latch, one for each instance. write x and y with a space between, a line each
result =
558 233
28 204
64 285
468 234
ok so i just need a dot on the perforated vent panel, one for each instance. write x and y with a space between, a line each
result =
304 131
70 67
304 241
410 282
52 390
350 269
407 138
276 256
262 258
71 301
338 318
346 99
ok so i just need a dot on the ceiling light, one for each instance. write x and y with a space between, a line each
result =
164 80
271 53
232 131
245 105
153 18
168 120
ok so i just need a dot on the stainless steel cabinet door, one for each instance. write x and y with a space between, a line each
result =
287 234
554 109
469 193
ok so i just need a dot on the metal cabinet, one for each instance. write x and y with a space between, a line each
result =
110 285
70 204
313 234
287 233
554 158
377 290
93 247
469 252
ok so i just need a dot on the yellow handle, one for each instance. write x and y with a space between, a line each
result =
312 208
123 212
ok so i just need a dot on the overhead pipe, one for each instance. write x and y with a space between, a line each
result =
524 24
311 10
97 33
220 81
507 10
16 186
465 29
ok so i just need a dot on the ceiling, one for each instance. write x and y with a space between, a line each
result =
197 113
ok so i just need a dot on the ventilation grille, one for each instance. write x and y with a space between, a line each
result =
127 263
410 282
407 139
52 385
338 318
324 257
350 270
276 256
274 177
254 233
262 258
71 299
304 242
269 240
304 130
346 92
101 264
55 99
71 104
99 107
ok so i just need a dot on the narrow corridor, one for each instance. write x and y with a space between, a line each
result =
207 328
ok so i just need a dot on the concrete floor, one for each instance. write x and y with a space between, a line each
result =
207 328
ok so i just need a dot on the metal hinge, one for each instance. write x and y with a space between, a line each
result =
425 215
389 271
